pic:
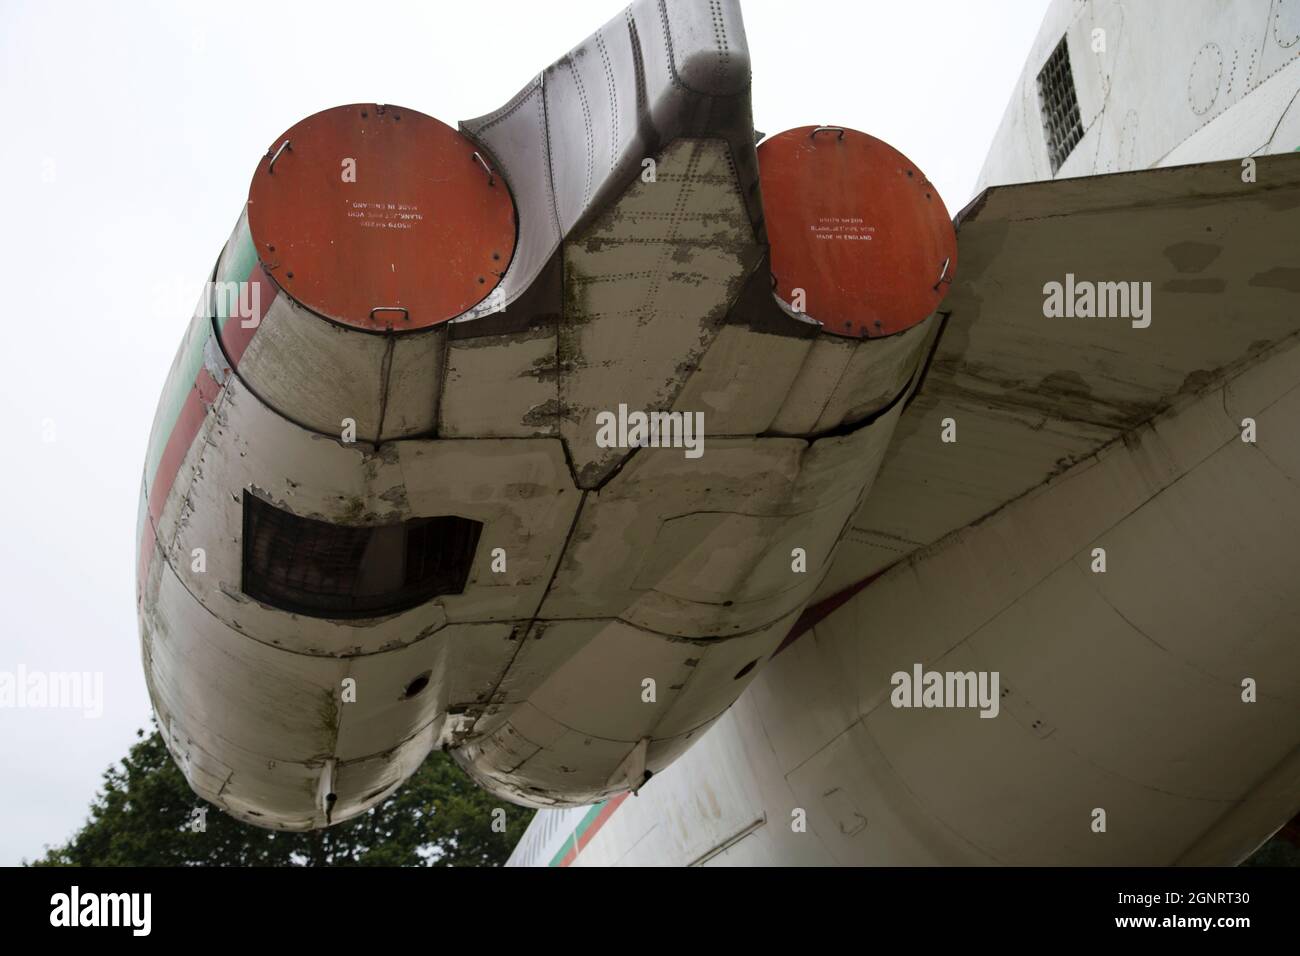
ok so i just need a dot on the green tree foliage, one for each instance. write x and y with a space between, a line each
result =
143 816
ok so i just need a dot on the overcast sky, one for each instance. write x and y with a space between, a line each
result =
132 130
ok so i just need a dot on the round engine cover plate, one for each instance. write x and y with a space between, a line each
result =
381 218
854 224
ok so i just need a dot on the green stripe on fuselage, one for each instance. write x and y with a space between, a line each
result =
583 826
236 265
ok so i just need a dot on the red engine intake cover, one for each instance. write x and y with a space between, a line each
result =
855 225
379 217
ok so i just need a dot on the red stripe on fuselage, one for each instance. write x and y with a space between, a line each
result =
202 395
235 336
589 834
200 398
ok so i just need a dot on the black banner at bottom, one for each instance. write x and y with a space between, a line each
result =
305 905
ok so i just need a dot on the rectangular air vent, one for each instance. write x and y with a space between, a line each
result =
321 569
1060 105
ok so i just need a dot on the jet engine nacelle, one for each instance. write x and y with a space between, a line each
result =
471 447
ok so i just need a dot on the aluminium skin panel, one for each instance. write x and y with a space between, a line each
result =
815 739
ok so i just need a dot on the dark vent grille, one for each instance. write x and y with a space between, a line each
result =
321 569
1060 106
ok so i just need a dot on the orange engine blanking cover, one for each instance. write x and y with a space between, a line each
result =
381 218
857 227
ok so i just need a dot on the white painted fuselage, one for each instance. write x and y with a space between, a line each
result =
1148 708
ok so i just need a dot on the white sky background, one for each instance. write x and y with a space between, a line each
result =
131 131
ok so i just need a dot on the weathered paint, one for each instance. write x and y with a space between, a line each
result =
614 569
1031 395
1124 689
1084 660
191 389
